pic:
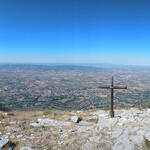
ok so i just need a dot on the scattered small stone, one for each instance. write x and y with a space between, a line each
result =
19 136
147 135
12 129
8 133
31 137
60 142
4 136
12 122
76 119
72 113
26 148
60 130
12 137
9 114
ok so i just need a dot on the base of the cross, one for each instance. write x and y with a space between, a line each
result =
112 114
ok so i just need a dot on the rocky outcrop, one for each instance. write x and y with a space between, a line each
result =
129 130
3 142
49 122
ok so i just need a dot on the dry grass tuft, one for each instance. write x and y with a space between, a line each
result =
146 144
47 112
2 116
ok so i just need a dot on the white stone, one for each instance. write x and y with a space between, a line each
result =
147 136
8 133
85 123
100 112
133 130
104 115
12 129
136 139
26 148
19 136
5 136
121 121
107 123
83 128
12 137
31 137
124 145
60 142
147 112
116 133
94 139
12 122
35 124
76 119
49 122
3 142
118 147
72 113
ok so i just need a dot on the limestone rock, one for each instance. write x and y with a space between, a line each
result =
136 139
107 122
26 148
12 129
49 122
3 142
76 119
116 133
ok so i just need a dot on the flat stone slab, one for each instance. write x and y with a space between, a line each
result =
49 122
26 148
3 142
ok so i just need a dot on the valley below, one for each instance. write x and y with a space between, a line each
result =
71 87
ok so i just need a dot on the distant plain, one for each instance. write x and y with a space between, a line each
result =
71 87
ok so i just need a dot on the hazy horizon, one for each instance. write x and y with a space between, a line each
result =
74 64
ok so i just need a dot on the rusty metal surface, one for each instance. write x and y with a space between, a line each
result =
104 87
120 87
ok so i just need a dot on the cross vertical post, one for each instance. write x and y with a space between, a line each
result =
112 87
112 98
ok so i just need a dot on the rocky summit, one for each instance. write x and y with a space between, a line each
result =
60 130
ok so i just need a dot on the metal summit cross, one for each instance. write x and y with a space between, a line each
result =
112 87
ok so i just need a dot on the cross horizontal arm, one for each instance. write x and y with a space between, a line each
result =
120 87
114 87
104 87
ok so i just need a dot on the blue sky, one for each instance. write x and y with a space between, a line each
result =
75 31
